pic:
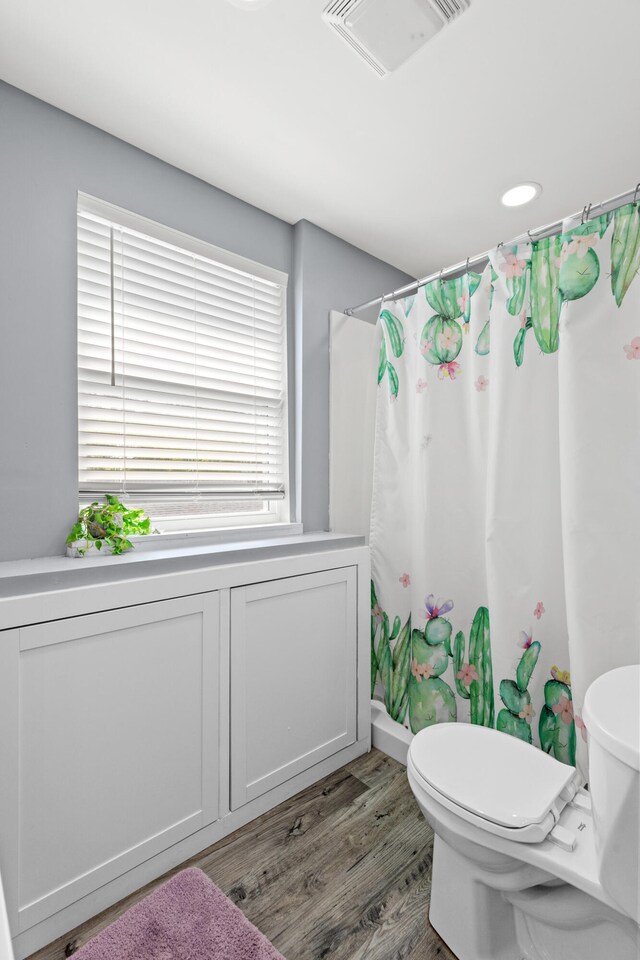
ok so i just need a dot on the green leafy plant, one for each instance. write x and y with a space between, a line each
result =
109 524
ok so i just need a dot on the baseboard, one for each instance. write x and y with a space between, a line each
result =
63 922
388 735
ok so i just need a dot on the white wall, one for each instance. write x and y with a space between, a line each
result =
46 157
329 274
355 345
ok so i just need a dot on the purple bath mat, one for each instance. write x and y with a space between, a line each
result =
188 918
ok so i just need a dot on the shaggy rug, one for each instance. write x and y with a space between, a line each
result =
188 918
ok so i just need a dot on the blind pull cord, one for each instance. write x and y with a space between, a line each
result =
113 311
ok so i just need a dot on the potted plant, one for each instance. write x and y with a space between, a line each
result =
106 527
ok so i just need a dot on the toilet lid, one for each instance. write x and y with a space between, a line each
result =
493 775
612 713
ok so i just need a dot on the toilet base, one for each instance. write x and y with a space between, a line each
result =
472 918
481 917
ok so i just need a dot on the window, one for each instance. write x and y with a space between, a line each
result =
181 374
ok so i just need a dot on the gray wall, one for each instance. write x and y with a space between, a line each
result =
328 274
46 156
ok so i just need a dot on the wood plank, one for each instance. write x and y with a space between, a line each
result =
312 805
384 844
331 861
375 767
256 854
342 870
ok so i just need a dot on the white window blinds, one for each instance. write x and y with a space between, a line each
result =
181 365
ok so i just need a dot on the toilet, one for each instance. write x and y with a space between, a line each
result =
529 864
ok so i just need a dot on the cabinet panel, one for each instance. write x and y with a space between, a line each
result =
118 744
293 677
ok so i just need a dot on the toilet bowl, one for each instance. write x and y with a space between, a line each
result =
528 864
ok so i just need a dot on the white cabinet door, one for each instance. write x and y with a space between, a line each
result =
293 677
118 744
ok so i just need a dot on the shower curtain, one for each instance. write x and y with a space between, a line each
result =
506 498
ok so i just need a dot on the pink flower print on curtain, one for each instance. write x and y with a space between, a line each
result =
449 370
512 267
632 349
527 713
436 608
467 674
564 709
421 671
526 639
463 301
582 727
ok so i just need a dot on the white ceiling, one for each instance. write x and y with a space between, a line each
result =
270 105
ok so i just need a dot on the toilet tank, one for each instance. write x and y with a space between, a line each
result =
612 717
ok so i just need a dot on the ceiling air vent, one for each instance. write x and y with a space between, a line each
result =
387 32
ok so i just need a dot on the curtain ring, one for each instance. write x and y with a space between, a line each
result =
531 240
466 269
440 277
585 213
635 193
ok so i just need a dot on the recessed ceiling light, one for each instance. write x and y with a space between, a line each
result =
521 193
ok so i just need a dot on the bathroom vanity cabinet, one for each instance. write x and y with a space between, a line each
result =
300 633
144 717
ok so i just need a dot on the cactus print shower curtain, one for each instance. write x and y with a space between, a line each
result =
506 513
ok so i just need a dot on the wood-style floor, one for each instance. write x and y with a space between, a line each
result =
342 870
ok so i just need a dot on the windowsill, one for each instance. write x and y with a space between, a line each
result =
174 539
181 554
158 546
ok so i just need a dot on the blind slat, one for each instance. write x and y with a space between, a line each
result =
182 379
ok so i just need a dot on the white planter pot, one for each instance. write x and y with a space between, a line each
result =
88 548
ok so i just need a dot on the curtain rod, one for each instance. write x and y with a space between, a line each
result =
589 212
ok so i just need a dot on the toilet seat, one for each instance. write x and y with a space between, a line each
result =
493 780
